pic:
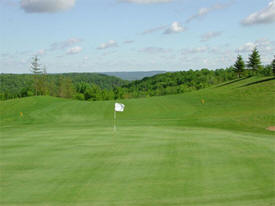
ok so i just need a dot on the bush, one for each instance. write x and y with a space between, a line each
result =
79 96
266 71
29 93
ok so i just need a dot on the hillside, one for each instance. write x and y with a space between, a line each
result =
13 84
252 105
179 82
233 106
98 87
169 150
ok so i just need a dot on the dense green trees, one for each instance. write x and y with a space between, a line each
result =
94 87
40 83
254 61
239 66
22 85
65 85
16 85
177 82
273 66
37 71
86 91
66 88
253 66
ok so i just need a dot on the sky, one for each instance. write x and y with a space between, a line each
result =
133 35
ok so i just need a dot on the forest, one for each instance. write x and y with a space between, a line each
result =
95 87
58 85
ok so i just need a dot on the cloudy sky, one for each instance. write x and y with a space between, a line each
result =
133 35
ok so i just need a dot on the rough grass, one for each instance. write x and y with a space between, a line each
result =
170 150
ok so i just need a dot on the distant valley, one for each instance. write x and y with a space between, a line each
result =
136 75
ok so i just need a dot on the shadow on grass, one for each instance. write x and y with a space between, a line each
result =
234 81
258 82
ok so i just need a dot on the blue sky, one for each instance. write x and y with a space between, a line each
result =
133 35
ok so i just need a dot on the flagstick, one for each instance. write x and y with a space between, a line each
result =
114 120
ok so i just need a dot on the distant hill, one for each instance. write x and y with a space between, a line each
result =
178 82
13 84
130 76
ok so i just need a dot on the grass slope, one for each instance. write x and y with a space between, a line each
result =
169 150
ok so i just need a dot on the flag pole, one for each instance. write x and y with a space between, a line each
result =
118 108
114 120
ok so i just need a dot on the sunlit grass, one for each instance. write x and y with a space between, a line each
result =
171 150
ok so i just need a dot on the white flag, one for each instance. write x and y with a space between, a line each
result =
119 107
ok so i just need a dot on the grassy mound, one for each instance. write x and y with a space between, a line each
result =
171 150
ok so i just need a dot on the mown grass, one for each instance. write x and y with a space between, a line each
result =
170 150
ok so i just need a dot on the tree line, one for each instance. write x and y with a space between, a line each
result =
95 87
253 66
58 85
186 81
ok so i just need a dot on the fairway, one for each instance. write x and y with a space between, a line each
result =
170 150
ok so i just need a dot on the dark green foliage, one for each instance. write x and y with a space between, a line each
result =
239 66
66 89
177 82
92 92
101 80
79 96
15 85
266 70
22 85
38 80
273 66
254 61
118 93
94 87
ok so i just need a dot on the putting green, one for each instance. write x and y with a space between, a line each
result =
169 150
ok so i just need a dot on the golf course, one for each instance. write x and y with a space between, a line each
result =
210 147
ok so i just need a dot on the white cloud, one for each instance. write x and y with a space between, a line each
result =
247 47
145 1
266 15
64 44
46 6
263 45
210 35
155 29
108 53
154 50
128 41
108 44
74 50
195 50
204 11
176 27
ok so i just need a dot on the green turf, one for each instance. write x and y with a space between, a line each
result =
169 150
